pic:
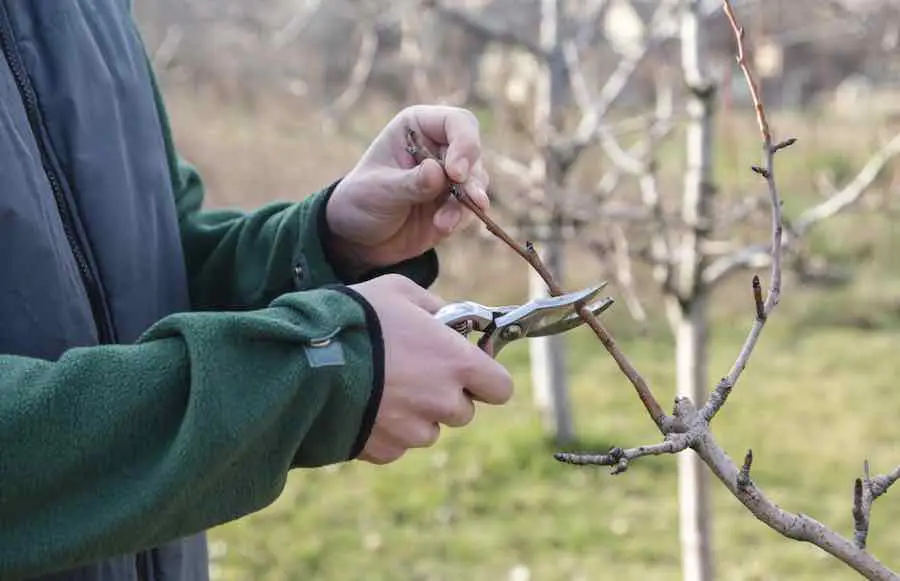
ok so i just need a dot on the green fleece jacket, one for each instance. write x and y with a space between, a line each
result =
199 422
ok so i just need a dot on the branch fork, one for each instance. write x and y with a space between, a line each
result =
689 427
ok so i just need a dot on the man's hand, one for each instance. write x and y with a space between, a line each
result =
433 374
388 209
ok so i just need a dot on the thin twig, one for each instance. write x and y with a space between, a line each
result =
621 459
720 395
419 151
475 24
840 200
865 491
696 424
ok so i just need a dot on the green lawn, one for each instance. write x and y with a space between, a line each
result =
490 503
818 398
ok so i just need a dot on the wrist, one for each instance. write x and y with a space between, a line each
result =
345 257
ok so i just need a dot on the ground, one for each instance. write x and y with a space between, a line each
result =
490 502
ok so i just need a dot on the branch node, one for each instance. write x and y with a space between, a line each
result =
743 477
784 144
760 170
758 299
620 467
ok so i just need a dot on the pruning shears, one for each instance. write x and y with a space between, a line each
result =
539 317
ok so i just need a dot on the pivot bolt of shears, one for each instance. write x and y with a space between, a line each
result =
512 333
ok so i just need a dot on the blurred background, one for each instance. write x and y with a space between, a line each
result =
619 136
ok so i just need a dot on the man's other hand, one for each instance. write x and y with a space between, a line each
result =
388 209
433 375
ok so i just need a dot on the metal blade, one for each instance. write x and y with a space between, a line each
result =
550 315
570 321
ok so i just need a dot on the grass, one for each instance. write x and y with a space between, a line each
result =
490 498
490 503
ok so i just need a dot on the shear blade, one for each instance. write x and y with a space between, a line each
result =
552 315
571 320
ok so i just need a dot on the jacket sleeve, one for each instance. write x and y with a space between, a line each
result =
120 447
238 260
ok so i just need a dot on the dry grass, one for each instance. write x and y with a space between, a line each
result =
490 503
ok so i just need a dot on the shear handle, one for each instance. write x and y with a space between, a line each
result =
467 316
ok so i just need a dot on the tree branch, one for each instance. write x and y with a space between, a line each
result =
475 26
592 116
620 459
760 255
850 193
616 254
866 490
419 153
359 74
695 432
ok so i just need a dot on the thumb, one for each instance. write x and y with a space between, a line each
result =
423 183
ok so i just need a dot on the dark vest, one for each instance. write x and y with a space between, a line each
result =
88 229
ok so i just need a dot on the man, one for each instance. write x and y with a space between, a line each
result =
162 367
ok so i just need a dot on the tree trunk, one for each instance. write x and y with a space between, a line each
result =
548 370
693 478
548 360
688 310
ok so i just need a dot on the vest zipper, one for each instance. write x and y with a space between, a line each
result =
26 92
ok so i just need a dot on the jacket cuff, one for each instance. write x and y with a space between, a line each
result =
311 265
344 353
376 342
422 269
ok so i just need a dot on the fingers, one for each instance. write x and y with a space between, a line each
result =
449 216
477 185
381 451
420 184
460 411
433 375
487 380
385 446
457 128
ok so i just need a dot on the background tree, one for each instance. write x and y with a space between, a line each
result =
621 105
684 231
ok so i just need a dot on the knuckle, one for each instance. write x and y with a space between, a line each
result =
460 411
410 111
467 115
381 452
430 433
396 281
390 455
377 459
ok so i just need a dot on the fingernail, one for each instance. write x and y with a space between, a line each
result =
462 170
481 197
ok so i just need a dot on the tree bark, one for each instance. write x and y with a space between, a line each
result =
693 478
548 370
688 310
548 359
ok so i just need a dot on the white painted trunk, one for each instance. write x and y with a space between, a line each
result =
693 477
689 314
548 361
